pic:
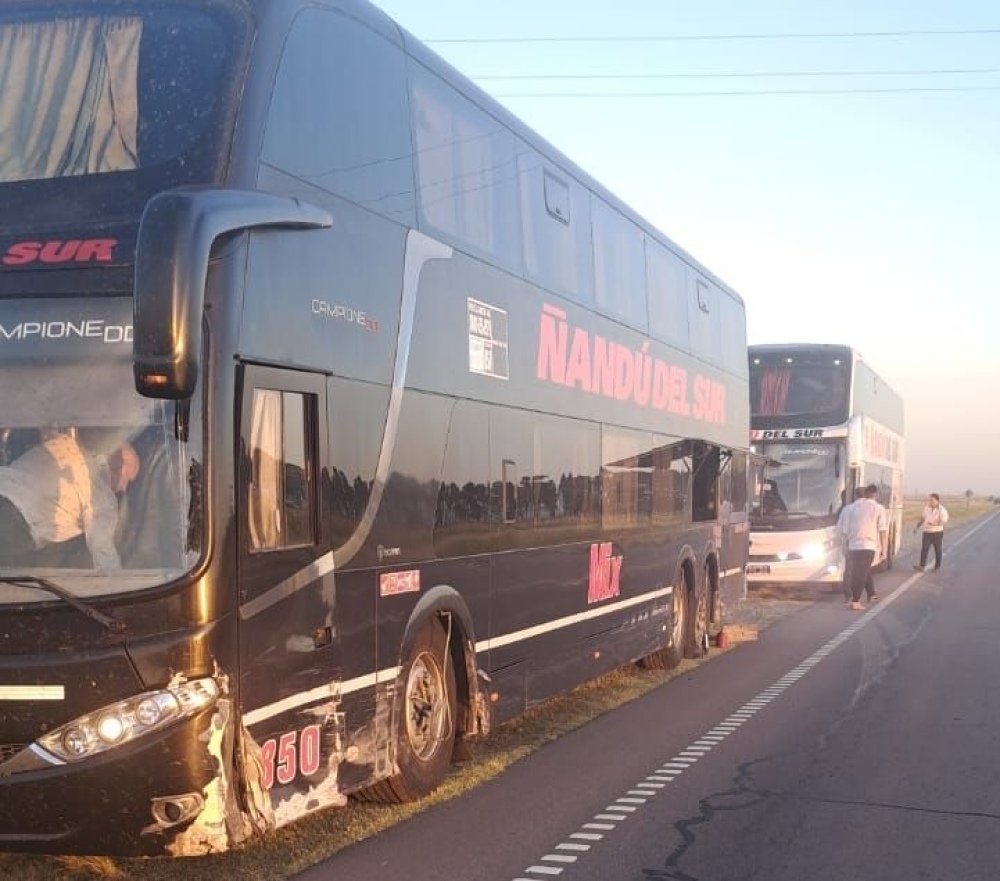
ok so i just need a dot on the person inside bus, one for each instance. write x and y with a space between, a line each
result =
59 501
771 501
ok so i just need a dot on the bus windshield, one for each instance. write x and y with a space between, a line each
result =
116 99
801 481
97 491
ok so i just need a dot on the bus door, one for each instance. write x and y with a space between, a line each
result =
290 666
734 524
854 480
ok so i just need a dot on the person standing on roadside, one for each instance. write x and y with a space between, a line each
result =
932 522
865 530
845 512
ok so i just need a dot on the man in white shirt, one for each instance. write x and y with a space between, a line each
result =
845 512
864 528
932 522
57 492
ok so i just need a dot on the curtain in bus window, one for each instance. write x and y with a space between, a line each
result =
68 97
773 392
264 507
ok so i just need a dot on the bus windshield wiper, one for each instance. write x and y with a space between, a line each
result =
112 625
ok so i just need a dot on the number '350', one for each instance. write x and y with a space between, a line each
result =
291 754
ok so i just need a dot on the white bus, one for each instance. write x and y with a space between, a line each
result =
822 423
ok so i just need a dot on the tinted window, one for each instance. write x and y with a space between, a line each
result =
706 318
732 317
666 282
354 444
626 478
466 173
555 219
671 462
464 510
619 265
738 485
338 117
547 477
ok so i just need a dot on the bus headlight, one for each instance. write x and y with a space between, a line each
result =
813 551
111 728
125 721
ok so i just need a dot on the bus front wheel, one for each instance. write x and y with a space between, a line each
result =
425 729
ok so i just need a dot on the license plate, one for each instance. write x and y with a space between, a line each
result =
758 569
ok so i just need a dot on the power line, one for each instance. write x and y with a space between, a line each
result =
664 38
731 75
748 92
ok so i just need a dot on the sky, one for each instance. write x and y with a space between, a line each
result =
836 163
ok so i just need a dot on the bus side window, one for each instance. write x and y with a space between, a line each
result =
279 504
705 486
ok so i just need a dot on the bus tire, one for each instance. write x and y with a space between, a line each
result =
673 653
425 723
696 632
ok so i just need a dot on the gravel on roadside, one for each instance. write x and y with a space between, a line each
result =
763 606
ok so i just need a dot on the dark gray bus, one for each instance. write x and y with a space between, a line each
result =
402 422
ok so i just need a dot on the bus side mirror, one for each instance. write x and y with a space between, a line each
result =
176 234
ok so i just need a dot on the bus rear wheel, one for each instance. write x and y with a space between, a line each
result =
425 730
696 632
673 653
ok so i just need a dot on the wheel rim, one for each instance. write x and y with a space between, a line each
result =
426 705
680 614
701 615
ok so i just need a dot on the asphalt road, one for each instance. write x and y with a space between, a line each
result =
839 745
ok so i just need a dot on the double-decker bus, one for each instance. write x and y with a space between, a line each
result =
424 425
823 423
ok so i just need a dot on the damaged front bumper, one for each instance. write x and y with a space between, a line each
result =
145 775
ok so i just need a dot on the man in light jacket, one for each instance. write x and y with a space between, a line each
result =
931 522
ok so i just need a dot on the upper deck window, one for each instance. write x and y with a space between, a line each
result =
814 390
91 92
466 171
69 100
619 265
555 222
